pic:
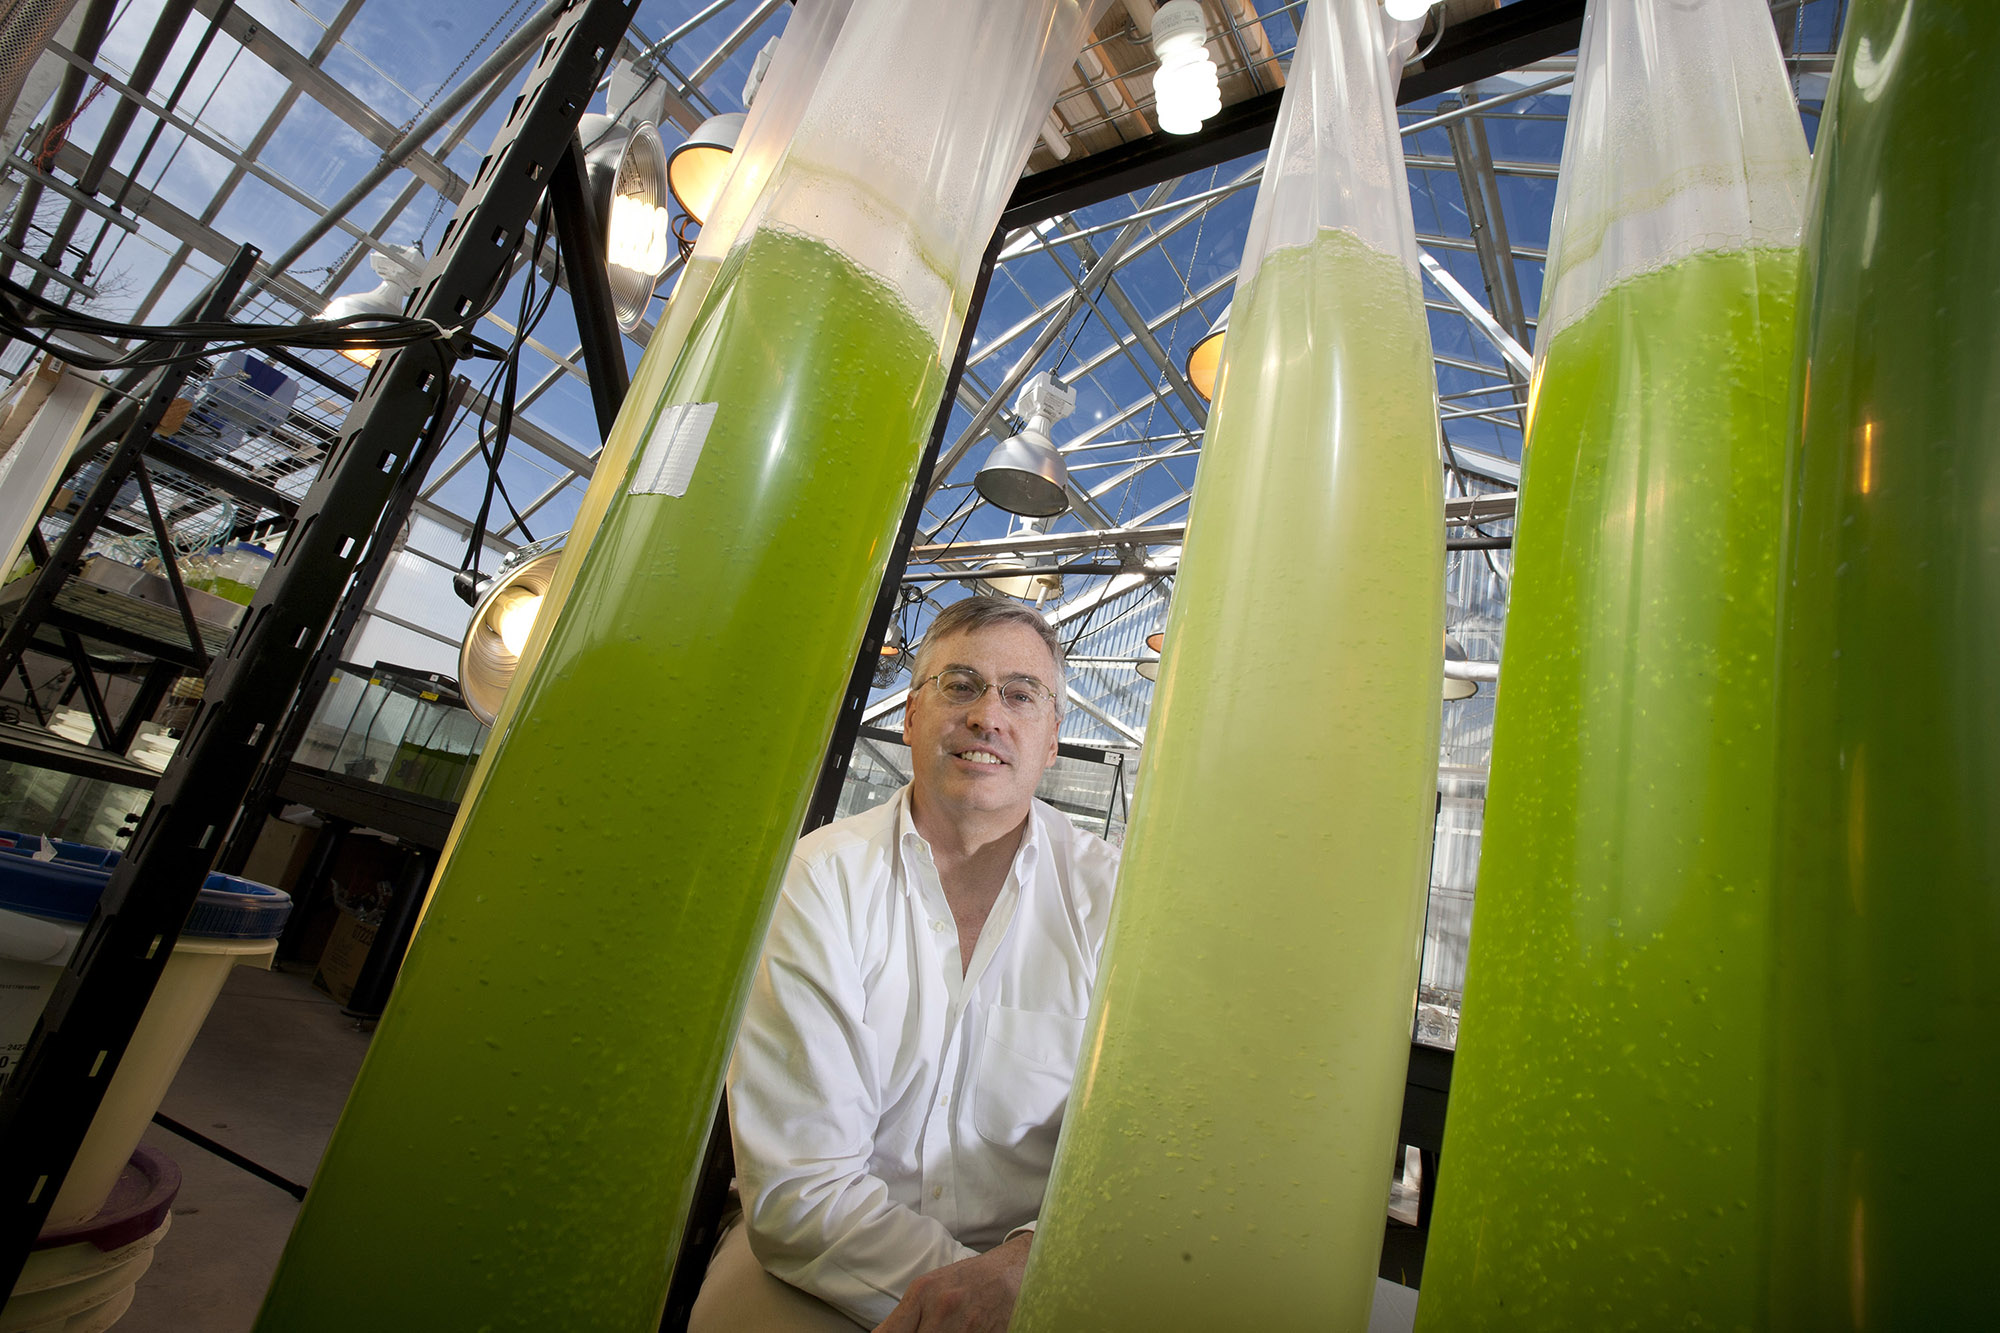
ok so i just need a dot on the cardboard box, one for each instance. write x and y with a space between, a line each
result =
280 855
346 950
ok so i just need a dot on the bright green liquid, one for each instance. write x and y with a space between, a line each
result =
1226 1158
1601 1157
520 1147
234 590
1888 1086
613 471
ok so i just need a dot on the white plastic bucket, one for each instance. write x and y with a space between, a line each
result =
35 946
80 1279
188 986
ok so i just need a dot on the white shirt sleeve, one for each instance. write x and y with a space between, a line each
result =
803 1110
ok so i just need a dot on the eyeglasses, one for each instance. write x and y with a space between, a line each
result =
1022 696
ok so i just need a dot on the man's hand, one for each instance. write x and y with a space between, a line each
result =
974 1295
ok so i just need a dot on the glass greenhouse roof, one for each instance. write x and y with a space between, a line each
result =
266 113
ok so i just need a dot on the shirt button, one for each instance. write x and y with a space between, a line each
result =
937 925
937 1191
945 1100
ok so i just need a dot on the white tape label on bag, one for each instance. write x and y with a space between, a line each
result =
674 449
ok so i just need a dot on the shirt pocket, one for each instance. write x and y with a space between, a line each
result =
1027 1062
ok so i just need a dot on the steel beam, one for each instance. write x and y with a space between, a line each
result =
1141 332
306 75
1493 43
1487 215
503 58
580 236
1518 359
159 44
1078 297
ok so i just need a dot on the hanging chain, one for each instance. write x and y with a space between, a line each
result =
446 82
438 208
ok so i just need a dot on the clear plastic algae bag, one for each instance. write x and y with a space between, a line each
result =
1888 879
520 1147
767 130
1225 1162
1602 1155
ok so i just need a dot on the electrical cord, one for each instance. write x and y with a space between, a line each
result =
23 314
532 307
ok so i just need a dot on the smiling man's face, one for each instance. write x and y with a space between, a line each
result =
982 761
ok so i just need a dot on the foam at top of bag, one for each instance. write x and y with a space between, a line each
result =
1683 138
1336 157
881 150
788 87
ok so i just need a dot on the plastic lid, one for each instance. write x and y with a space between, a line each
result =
138 1206
30 844
67 889
238 909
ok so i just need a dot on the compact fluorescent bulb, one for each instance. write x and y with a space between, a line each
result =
1186 90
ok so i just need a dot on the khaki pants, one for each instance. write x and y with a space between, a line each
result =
739 1296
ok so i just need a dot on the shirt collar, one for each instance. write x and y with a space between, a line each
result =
1026 858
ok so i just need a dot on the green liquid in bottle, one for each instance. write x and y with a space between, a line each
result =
1888 903
1601 1160
614 466
1226 1158
520 1147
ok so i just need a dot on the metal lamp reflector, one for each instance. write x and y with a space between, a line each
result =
698 167
1204 359
627 166
400 273
1025 475
501 621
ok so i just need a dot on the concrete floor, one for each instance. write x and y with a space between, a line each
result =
267 1077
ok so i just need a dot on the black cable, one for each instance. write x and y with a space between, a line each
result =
528 316
23 313
229 1155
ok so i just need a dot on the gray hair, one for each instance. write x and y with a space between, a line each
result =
979 612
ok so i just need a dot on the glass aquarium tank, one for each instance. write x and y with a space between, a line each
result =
394 727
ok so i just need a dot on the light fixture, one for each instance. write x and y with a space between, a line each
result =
889 662
1024 474
1032 587
1457 686
1148 667
1204 359
1186 90
1157 640
697 168
1404 10
400 272
502 619
1035 578
627 167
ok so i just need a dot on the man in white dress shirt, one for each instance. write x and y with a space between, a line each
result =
912 1031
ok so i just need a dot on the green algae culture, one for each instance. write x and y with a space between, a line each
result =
614 463
1225 1160
1888 882
519 1146
1601 1161
768 129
